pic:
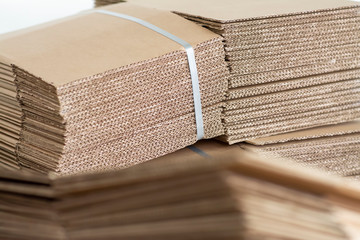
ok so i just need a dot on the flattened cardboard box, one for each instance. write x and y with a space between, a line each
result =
183 194
114 94
279 53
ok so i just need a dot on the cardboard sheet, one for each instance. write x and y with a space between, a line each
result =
62 49
317 132
230 11
113 95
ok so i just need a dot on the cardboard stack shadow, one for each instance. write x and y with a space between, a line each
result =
293 64
232 194
99 92
334 148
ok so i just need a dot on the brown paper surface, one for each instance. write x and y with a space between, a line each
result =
230 10
91 43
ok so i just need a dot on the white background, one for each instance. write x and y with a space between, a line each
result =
17 14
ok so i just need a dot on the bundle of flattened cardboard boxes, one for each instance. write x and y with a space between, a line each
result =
77 98
230 194
95 92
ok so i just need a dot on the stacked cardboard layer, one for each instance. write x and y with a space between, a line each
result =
10 116
293 64
334 148
227 195
112 95
106 2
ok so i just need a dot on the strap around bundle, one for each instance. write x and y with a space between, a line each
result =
191 60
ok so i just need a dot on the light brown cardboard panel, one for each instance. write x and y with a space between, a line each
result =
5 63
109 43
230 10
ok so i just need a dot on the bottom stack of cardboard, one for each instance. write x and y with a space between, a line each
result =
206 191
333 148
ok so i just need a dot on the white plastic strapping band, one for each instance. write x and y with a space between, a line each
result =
191 60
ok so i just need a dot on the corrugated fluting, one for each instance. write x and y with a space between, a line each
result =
107 96
293 65
334 148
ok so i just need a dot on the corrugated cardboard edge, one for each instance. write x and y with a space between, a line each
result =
316 132
187 161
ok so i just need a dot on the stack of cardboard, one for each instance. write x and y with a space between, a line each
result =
293 64
233 195
111 95
333 148
10 115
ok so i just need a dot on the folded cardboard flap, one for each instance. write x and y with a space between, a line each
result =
221 11
91 43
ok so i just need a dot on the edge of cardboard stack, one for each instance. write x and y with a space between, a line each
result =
94 98
104 106
289 63
101 98
172 195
